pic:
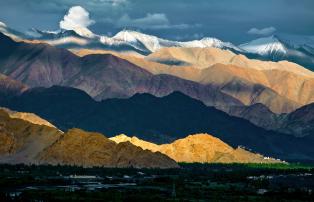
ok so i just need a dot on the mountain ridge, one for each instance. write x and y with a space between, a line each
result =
198 148
295 48
28 143
136 116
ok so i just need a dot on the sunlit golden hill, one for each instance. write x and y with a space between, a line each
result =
30 117
28 143
202 148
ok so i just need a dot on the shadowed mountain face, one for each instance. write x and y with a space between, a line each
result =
299 122
259 115
24 142
160 120
10 87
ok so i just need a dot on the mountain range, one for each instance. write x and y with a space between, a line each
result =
238 81
231 82
294 48
138 84
25 142
101 76
158 120
27 138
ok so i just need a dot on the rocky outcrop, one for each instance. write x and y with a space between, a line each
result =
200 148
25 142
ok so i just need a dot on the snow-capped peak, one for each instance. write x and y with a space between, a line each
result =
9 32
296 41
2 24
152 43
214 42
3 27
84 32
131 36
265 46
62 33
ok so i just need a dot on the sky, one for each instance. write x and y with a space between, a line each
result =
236 21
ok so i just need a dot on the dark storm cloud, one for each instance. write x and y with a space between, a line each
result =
177 19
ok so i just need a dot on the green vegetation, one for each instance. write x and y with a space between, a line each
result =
192 182
279 166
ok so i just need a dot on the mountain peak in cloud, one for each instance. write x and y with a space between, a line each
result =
2 24
77 19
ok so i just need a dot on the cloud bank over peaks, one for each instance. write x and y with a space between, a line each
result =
264 31
115 2
149 21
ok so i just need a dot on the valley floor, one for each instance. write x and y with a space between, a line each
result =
192 182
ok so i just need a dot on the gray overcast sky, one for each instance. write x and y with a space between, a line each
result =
229 20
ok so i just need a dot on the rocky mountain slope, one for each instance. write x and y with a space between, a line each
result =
81 148
300 122
283 78
200 148
108 76
24 142
159 120
101 76
250 81
10 87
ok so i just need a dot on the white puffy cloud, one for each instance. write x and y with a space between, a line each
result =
264 31
77 17
150 21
